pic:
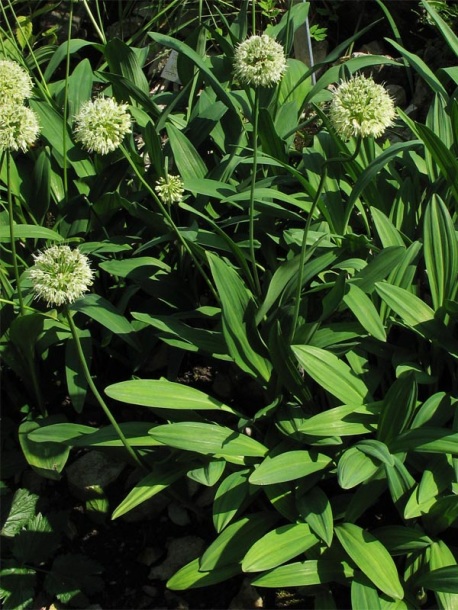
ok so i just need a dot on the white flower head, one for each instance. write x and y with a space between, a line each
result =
360 107
60 275
15 83
259 61
101 125
19 127
170 189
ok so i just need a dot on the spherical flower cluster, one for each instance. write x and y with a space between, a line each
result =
360 107
101 125
170 189
259 61
60 275
15 83
19 127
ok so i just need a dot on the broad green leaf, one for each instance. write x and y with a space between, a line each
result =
316 509
400 482
448 34
48 459
303 574
426 440
401 540
278 546
421 67
208 474
149 486
78 435
364 311
122 59
163 394
72 574
441 251
188 160
394 420
332 374
371 557
346 420
103 312
364 596
129 266
289 466
17 588
443 579
378 268
235 540
240 334
442 557
191 577
21 511
28 232
230 497
208 439
354 467
387 232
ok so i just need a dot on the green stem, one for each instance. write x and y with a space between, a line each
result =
96 393
324 174
254 171
11 223
169 219
94 22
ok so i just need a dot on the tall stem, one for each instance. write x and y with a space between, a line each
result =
169 219
130 450
300 278
254 171
11 225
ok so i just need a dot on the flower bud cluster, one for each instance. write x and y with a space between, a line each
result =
19 126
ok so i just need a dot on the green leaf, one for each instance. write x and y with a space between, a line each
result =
37 542
149 486
426 440
364 311
442 557
394 420
28 232
363 594
188 160
123 59
191 577
17 588
316 509
163 394
278 546
47 459
71 575
371 557
289 466
230 497
446 31
387 232
443 579
236 302
441 251
331 374
232 544
304 573
21 512
209 439
346 420
401 540
354 467
208 474
102 311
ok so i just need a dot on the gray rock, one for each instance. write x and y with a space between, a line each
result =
92 472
